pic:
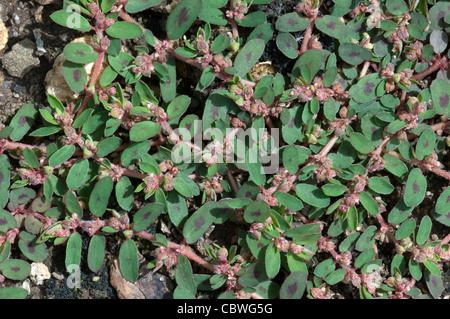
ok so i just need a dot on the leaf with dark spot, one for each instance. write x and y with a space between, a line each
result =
416 187
293 286
291 22
199 222
332 26
31 249
353 54
287 44
15 269
257 211
22 121
443 202
248 56
182 17
98 200
147 215
440 96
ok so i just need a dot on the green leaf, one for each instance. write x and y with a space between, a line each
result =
272 261
252 19
13 293
96 252
124 193
440 95
333 190
220 43
381 185
331 26
73 251
361 143
291 22
200 221
108 145
253 275
442 203
128 260
399 213
415 269
365 257
4 180
134 6
397 7
55 104
48 117
30 158
134 152
178 106
182 17
125 30
248 56
366 239
15 269
416 187
366 88
289 201
287 44
424 230
394 165
98 199
22 121
433 268
263 31
293 286
184 276
185 186
426 143
77 174
176 208
80 53
312 195
75 76
405 229
369 203
61 155
71 19
213 16
144 130
7 221
30 248
434 283
257 211
147 215
353 53
324 268
254 167
45 131
336 277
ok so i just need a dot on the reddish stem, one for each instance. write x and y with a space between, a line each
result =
308 34
183 250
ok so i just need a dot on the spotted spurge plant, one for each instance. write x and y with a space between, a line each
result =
360 127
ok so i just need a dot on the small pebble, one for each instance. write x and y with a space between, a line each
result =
57 276
16 19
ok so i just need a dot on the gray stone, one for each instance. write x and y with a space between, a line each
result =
20 60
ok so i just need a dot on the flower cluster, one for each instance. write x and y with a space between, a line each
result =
212 186
240 8
163 180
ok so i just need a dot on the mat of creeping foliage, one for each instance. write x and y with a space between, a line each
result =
330 173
